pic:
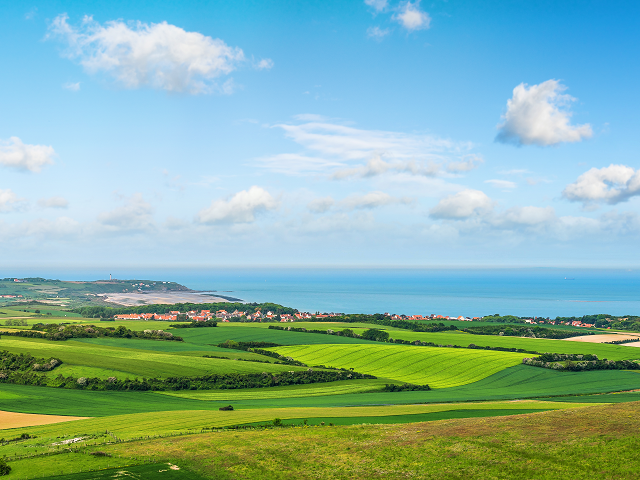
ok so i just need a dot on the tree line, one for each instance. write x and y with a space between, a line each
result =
64 332
97 311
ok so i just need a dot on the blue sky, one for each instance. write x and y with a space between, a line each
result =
319 133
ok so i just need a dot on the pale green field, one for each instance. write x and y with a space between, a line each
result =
291 391
139 425
436 367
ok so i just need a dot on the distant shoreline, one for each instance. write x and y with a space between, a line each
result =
133 299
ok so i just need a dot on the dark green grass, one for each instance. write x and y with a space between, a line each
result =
153 471
214 336
620 397
420 417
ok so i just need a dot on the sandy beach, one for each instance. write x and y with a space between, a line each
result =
134 299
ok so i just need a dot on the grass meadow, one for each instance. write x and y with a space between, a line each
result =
474 423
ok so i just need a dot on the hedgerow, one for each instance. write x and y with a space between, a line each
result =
64 332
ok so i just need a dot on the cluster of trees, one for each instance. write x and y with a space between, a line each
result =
525 331
385 321
206 382
603 320
579 363
405 387
497 318
17 322
64 332
257 347
108 312
207 323
24 362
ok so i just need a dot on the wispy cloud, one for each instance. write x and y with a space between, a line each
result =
411 17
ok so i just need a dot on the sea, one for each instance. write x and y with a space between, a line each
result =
470 292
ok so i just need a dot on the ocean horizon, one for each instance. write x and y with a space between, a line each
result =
540 292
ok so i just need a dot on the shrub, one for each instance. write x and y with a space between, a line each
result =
228 408
4 468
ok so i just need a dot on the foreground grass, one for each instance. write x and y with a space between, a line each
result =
600 442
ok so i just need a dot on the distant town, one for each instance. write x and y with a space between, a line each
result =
258 316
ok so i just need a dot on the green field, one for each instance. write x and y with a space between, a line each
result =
436 367
468 385
108 360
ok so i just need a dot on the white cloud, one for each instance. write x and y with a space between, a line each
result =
134 216
377 5
370 200
15 154
240 208
526 216
53 202
468 163
612 184
377 166
9 201
377 33
502 184
537 115
320 205
330 146
73 87
464 204
157 55
265 64
411 17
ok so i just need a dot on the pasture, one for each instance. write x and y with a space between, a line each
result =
469 388
436 367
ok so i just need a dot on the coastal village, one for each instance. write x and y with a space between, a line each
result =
258 316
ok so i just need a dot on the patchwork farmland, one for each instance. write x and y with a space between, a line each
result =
136 401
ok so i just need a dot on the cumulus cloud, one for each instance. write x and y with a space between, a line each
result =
526 216
9 201
53 202
136 215
377 5
411 17
156 55
502 184
377 33
464 204
321 205
612 184
377 166
18 155
240 208
538 115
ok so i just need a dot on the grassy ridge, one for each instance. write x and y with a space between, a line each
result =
260 333
108 360
437 367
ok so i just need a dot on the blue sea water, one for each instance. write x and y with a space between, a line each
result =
543 292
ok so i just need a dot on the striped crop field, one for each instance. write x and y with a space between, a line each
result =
436 367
